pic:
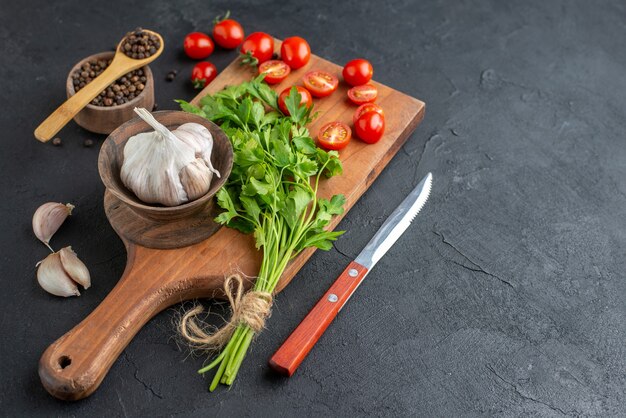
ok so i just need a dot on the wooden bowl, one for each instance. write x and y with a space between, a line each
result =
112 156
103 119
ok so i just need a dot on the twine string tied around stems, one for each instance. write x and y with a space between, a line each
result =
250 308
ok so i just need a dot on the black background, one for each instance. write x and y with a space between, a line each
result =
506 296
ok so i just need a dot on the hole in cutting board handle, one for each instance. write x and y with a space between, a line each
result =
64 361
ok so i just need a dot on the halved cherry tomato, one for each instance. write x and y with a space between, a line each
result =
198 45
258 48
320 83
367 107
275 71
370 127
295 51
362 94
334 135
305 98
227 33
357 72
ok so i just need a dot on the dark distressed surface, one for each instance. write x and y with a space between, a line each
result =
507 295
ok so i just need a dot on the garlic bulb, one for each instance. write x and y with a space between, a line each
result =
48 218
161 167
59 273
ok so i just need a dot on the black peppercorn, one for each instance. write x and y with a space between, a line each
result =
88 143
171 75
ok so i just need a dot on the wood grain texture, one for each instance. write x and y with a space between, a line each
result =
155 279
105 119
120 65
298 345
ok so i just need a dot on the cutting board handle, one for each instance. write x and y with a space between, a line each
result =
75 365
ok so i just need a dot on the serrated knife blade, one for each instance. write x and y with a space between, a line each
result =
395 225
296 347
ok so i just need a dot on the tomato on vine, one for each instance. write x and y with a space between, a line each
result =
227 33
358 72
305 98
370 127
198 45
257 48
202 74
296 52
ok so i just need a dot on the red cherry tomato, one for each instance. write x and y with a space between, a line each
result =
367 107
305 98
198 45
275 71
320 83
296 52
259 46
202 74
334 135
370 127
357 72
362 94
228 33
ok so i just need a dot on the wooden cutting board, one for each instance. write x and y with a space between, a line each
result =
154 279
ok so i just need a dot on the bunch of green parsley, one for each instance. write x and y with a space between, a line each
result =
271 191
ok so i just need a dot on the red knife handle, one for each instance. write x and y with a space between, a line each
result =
295 348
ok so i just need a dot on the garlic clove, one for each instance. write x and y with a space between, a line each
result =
48 218
53 279
200 139
75 268
189 138
196 178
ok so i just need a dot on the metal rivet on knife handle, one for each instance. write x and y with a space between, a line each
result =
332 298
353 273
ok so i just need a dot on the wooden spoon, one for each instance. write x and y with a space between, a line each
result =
121 64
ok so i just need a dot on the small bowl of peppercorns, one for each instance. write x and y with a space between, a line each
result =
115 104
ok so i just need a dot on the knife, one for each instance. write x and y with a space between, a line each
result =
295 348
